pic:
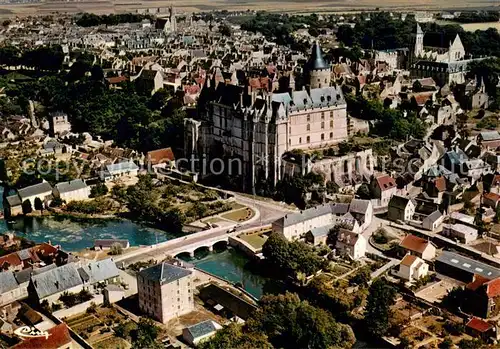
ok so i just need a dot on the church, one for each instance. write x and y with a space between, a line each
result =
258 126
446 65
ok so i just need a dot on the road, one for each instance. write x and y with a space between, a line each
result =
266 213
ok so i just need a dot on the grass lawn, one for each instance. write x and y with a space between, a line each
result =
256 240
237 206
239 215
213 220
112 342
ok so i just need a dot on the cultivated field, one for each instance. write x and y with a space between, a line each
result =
298 6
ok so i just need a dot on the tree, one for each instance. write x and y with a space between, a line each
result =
364 192
146 334
38 204
27 208
116 249
100 189
447 343
292 323
276 250
225 30
56 202
234 336
381 297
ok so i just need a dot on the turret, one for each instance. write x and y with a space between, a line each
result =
317 69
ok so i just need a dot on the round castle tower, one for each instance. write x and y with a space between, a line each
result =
317 69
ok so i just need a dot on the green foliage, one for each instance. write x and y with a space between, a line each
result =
291 323
38 204
362 277
96 206
364 192
225 30
90 19
453 299
71 299
470 344
124 329
292 257
447 343
146 334
489 122
293 189
381 297
27 208
385 32
100 189
116 249
235 337
477 17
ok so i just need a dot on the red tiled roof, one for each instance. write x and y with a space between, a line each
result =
12 259
58 337
440 184
116 79
45 250
477 282
479 325
161 156
386 182
492 196
422 98
414 243
408 260
493 288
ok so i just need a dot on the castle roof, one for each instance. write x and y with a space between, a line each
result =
316 61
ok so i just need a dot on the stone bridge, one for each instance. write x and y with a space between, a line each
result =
207 245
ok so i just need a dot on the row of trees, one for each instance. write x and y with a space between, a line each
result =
44 58
90 19
385 32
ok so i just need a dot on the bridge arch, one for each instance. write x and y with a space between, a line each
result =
186 255
220 245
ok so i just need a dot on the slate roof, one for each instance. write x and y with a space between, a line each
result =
321 231
7 281
66 187
490 135
313 212
399 202
14 200
97 271
164 273
316 61
359 206
56 280
468 265
37 189
202 328
122 167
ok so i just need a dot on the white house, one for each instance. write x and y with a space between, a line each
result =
127 168
73 190
400 208
199 332
350 244
383 188
362 211
41 191
294 225
464 233
433 221
412 268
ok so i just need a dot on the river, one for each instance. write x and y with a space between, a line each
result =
75 235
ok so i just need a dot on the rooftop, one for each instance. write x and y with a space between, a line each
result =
203 328
65 187
468 265
164 273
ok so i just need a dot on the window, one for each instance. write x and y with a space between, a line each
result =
331 114
308 117
322 115
290 141
331 123
322 136
308 139
331 135
300 140
308 127
322 125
